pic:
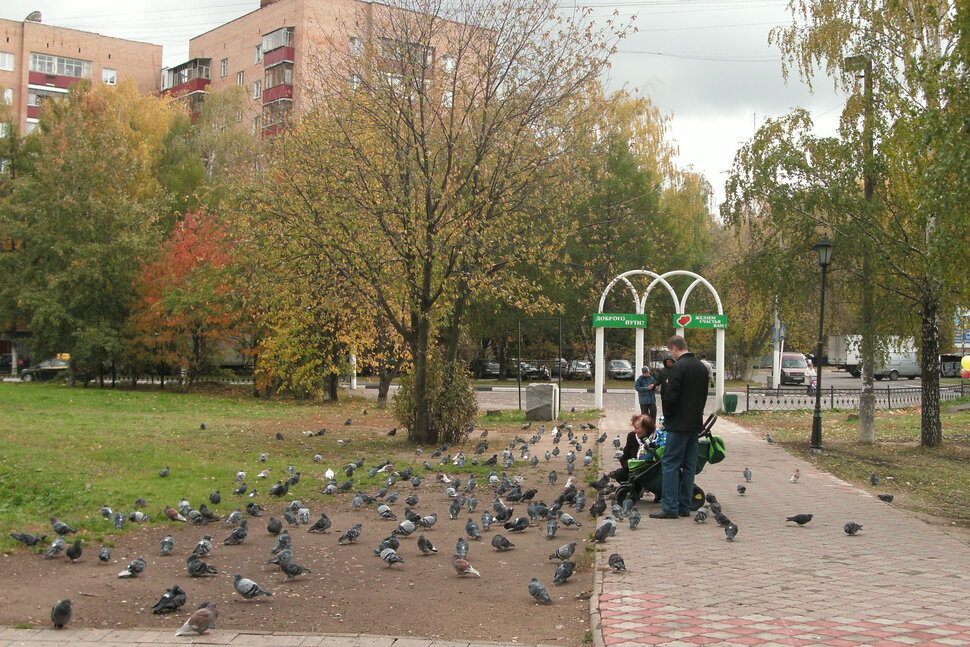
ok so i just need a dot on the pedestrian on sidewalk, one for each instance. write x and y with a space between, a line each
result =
684 397
646 386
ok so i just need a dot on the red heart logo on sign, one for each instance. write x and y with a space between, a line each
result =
683 320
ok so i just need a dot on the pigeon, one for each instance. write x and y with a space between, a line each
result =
405 528
795 476
428 520
241 490
198 568
851 528
247 588
731 531
279 436
274 526
567 519
292 571
56 548
104 555
800 519
598 507
461 547
721 520
538 591
172 600
701 515
500 543
238 534
390 557
771 441
215 498
463 568
106 511
61 613
322 524
74 551
353 534
472 530
518 525
29 539
168 543
303 515
603 532
204 547
283 556
141 503
742 489
134 569
165 472
385 512
61 528
634 518
616 563
283 540
564 552
426 547
888 498
873 479
173 514
746 474
563 572
552 526
135 516
200 620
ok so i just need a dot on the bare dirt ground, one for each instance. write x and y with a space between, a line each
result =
350 589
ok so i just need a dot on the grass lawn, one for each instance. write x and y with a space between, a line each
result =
934 481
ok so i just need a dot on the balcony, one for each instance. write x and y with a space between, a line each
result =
277 93
33 112
189 87
277 56
187 78
51 80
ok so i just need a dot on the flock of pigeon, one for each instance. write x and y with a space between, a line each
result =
510 507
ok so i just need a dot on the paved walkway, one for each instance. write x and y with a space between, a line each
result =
899 582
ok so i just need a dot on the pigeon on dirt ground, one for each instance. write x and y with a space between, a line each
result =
292 571
322 524
61 528
731 531
425 545
501 543
168 543
390 557
74 551
888 498
201 620
353 534
742 488
538 591
61 613
134 569
104 555
29 539
795 476
238 535
746 473
171 601
563 572
248 588
463 568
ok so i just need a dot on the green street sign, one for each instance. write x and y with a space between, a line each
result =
610 320
700 321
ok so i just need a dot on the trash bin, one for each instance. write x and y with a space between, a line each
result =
730 402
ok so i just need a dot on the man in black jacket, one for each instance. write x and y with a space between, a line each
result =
684 397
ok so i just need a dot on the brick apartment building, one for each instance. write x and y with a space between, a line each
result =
270 51
39 61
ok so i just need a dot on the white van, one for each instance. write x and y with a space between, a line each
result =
794 368
899 365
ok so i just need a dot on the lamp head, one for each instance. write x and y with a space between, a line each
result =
824 250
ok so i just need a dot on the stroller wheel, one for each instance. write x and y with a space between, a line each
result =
625 491
697 499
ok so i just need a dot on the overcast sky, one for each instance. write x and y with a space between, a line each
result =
707 62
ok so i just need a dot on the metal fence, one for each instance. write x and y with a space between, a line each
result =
762 399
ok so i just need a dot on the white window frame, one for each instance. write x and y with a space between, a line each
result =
257 89
259 54
7 61
356 45
8 96
241 78
224 67
448 63
109 76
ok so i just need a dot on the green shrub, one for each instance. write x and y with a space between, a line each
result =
452 404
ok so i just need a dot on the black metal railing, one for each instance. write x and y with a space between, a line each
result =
764 399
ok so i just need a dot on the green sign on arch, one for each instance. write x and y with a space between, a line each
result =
612 320
700 321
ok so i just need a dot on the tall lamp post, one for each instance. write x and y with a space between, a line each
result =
824 250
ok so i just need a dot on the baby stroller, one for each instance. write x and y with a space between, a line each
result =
647 475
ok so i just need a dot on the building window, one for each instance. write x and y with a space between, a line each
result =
356 45
31 126
355 81
4 130
60 65
109 76
448 64
224 67
259 53
6 61
448 99
8 96
256 125
37 97
240 78
257 89
282 37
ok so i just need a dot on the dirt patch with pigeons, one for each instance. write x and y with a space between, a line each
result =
349 589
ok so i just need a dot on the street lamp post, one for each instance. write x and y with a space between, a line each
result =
824 250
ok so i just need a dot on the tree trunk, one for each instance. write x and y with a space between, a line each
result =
422 433
386 376
931 429
330 388
454 325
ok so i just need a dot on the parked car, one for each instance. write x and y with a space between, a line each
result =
794 368
46 370
559 367
619 369
531 371
579 370
483 367
6 364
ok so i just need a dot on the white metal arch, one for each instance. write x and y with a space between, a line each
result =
640 306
